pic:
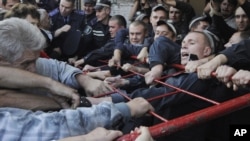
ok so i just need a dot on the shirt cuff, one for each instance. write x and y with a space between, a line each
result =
124 109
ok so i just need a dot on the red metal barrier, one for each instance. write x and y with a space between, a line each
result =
198 117
194 118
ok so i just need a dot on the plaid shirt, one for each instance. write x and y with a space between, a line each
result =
18 124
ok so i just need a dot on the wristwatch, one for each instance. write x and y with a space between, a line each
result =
84 102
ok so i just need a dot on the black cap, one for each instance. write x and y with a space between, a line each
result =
141 17
159 7
102 3
89 1
200 18
170 26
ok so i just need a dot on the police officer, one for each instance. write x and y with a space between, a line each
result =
89 11
65 19
67 15
101 28
90 19
86 44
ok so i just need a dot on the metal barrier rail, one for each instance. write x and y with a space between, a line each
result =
194 118
171 126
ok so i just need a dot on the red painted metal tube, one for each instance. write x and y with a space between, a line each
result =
194 118
204 115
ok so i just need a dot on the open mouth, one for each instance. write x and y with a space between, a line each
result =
189 56
185 54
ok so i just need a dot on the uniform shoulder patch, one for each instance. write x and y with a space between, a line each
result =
54 12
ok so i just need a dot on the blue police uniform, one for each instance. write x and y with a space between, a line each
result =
76 20
100 34
91 19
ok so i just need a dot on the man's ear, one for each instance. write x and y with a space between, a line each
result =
107 10
207 51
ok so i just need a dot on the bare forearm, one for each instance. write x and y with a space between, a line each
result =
75 138
117 54
16 99
170 2
206 59
219 60
83 80
16 78
58 32
133 10
141 70
157 70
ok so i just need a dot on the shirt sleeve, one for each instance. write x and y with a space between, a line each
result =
19 124
238 55
104 52
148 41
163 51
246 8
120 38
59 71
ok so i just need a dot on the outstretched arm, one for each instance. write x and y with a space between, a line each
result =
69 122
17 99
133 10
97 134
16 78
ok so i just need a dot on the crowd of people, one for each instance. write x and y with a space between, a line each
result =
50 74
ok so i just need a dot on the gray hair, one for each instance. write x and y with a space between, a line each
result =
18 35
42 13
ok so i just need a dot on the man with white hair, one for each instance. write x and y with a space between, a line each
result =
20 49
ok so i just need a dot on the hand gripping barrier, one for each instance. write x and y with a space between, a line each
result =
168 127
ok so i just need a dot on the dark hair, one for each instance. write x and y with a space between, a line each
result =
4 2
73 1
169 26
159 8
20 10
233 2
196 20
121 20
33 2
